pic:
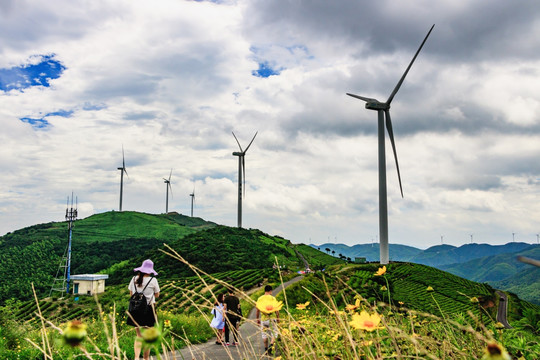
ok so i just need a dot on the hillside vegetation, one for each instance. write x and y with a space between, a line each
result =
116 242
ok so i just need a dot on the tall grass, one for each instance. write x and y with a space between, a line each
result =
331 324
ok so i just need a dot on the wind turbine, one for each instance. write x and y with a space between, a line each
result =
192 200
122 171
383 110
241 169
168 182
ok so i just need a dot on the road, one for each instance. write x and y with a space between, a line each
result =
503 309
250 347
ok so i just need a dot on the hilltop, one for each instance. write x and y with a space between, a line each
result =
116 242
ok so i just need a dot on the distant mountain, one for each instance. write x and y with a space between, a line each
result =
504 271
371 252
440 255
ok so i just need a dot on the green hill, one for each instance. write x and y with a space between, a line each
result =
119 241
407 285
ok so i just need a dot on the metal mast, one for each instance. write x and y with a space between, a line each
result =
62 278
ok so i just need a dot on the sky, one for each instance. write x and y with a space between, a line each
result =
169 81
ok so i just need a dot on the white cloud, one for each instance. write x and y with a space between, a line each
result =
170 81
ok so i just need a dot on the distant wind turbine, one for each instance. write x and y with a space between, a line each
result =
241 171
192 200
168 182
383 110
122 171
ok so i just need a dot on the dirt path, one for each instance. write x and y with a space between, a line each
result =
251 346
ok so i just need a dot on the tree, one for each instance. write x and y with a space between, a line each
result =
327 250
333 252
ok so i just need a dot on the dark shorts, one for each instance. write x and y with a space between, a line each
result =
146 319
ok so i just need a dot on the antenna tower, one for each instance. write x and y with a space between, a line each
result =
62 278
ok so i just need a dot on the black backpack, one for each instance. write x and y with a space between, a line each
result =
137 302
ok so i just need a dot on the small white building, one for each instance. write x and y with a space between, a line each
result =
88 284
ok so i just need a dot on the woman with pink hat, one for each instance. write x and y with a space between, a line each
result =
144 282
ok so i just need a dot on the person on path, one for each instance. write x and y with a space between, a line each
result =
267 316
218 322
144 282
232 317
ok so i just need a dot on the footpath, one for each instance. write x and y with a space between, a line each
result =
250 347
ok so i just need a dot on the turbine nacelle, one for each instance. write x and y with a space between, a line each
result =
236 153
377 105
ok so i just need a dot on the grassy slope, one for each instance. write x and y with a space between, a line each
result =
33 254
408 283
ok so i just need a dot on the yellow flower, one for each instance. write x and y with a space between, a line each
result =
381 271
495 351
365 321
167 323
302 306
429 289
285 332
401 302
474 299
74 333
351 307
384 288
268 305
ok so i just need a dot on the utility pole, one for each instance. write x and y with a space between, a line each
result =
63 274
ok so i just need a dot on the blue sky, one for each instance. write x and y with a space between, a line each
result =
169 82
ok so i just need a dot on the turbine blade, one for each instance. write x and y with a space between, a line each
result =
170 176
238 142
126 172
366 99
408 68
251 142
123 158
170 188
391 135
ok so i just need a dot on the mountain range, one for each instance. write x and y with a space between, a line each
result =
493 264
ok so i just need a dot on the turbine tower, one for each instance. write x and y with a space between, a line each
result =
383 110
122 171
241 173
192 200
168 182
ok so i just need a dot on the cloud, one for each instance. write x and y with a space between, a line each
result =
171 81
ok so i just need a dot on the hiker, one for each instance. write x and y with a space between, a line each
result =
218 322
232 317
144 282
268 317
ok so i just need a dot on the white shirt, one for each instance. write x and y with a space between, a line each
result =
151 289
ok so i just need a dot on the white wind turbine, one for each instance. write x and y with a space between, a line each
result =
192 200
241 171
383 110
122 171
168 182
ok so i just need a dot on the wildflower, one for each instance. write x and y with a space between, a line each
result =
499 325
429 289
151 335
401 302
74 333
495 351
285 332
381 271
167 323
268 305
384 288
474 299
365 321
302 306
351 307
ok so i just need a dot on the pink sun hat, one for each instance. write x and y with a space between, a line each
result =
147 267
